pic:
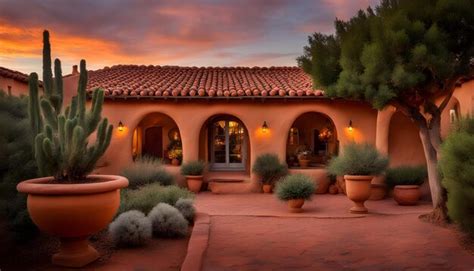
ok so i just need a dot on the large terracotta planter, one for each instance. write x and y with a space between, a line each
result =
73 212
378 191
358 190
194 183
406 194
267 188
304 162
295 205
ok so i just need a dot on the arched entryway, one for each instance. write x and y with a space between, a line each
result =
449 115
312 141
224 144
157 135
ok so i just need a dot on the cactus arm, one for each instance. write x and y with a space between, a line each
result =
49 113
81 94
41 160
34 114
47 72
58 86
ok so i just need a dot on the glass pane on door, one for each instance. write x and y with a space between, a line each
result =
236 141
219 141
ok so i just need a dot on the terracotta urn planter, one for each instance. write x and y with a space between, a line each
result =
175 162
73 212
407 194
194 183
358 190
378 191
304 162
295 205
267 188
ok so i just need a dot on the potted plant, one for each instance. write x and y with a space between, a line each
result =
69 203
295 189
193 171
359 163
269 169
304 158
406 181
175 155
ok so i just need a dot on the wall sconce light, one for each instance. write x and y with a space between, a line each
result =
120 126
350 126
264 127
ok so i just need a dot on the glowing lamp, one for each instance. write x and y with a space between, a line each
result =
264 127
350 126
120 126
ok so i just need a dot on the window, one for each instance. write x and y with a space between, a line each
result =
228 147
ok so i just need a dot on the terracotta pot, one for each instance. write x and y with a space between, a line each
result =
378 191
295 205
73 212
175 162
304 162
407 194
267 188
358 190
194 183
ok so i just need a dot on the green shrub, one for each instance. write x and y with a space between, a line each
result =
457 168
295 186
406 175
147 197
358 159
186 208
167 221
146 170
193 168
131 228
269 168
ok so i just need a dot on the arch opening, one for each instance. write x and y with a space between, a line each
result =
157 135
312 141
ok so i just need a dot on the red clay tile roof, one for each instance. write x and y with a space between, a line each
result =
161 81
16 75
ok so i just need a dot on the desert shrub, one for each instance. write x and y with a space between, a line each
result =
131 228
146 170
358 159
457 168
186 208
295 186
148 196
269 168
167 221
406 175
193 168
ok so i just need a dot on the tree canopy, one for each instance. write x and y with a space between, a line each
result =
401 52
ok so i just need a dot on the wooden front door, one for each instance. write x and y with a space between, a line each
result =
153 143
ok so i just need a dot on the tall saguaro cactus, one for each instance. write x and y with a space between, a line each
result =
61 143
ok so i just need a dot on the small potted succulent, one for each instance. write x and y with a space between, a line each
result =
359 163
193 171
406 181
304 157
175 155
295 189
68 202
269 169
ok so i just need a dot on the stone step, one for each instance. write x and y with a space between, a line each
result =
229 186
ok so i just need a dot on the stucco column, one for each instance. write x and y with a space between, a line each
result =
190 142
383 127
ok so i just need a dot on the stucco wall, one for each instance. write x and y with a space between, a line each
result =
17 88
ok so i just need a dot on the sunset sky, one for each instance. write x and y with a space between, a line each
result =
166 32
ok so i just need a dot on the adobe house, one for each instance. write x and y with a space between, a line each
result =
13 82
229 116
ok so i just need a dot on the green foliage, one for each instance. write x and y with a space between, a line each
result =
17 164
402 51
269 168
167 221
358 159
186 208
61 142
295 186
148 196
131 229
406 175
146 170
193 168
457 168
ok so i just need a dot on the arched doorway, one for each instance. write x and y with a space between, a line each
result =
224 144
157 135
449 116
312 141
